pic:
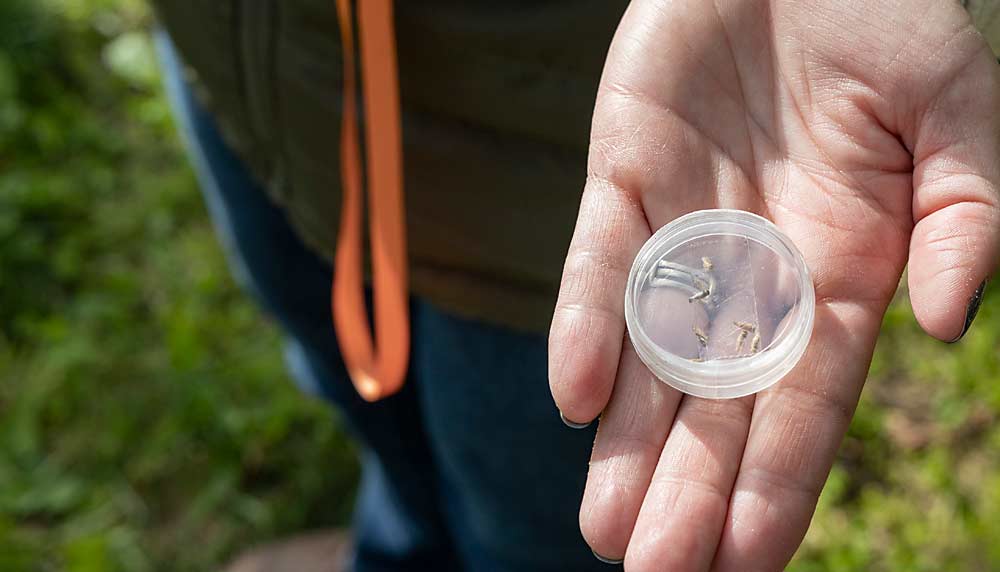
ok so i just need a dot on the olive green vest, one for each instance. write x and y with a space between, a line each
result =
497 100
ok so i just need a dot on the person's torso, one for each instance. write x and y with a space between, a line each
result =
497 100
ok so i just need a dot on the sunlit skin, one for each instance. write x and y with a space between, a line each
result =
868 132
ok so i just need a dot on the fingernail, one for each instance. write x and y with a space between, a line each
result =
972 309
573 424
607 560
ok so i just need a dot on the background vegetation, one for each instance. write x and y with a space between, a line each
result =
146 420
147 423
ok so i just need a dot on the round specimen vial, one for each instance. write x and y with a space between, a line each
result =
719 304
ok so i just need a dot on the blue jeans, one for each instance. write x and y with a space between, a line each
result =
469 466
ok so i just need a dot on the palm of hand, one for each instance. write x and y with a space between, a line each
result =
859 130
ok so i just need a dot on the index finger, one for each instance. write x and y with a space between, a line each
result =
625 169
589 320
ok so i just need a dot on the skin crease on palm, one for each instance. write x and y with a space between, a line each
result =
868 132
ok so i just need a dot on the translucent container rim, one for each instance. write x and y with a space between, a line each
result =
723 379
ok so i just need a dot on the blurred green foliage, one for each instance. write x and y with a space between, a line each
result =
146 420
917 482
147 423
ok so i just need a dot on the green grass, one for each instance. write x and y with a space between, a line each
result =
147 422
917 482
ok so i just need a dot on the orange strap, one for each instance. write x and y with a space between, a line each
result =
377 369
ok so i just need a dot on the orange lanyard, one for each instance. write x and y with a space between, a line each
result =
377 368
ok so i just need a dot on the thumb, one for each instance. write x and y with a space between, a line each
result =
956 201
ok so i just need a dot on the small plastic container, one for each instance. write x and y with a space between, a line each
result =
720 304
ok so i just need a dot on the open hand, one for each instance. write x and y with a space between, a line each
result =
868 132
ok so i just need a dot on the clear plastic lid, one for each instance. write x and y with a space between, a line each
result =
719 304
